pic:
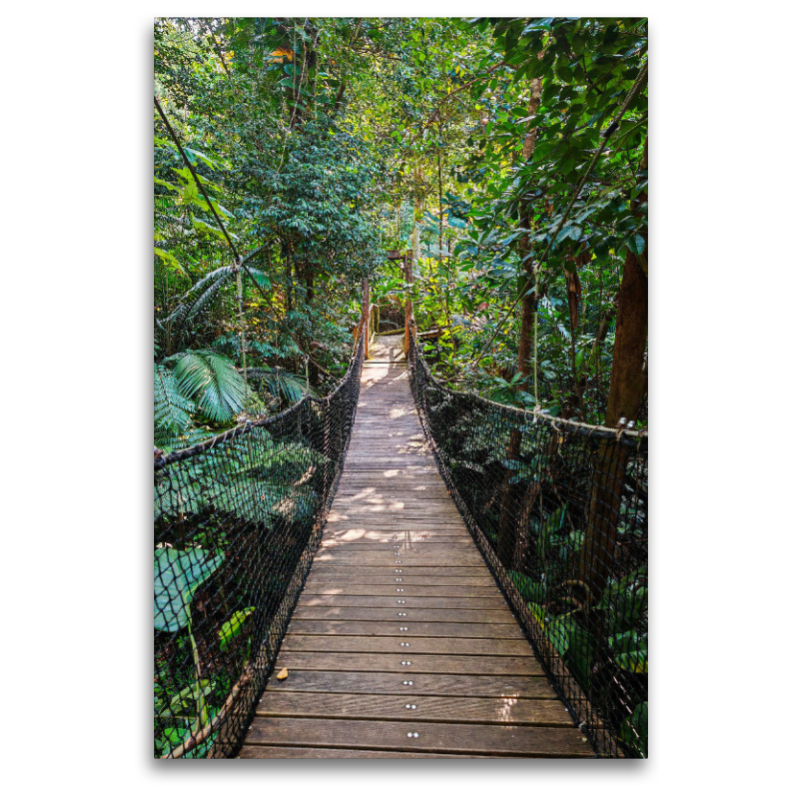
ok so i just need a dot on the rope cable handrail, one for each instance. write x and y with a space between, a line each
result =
601 431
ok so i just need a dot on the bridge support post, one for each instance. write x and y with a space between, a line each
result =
365 314
408 271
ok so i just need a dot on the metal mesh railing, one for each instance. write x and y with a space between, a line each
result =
237 521
559 510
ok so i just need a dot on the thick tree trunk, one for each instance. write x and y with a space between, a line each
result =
628 386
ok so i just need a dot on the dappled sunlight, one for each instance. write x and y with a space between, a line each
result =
505 709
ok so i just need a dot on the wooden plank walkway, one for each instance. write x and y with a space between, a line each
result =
401 645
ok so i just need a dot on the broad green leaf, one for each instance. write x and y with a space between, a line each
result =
177 576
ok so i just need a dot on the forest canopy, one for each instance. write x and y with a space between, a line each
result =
507 156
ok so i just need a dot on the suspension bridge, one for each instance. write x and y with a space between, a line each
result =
399 570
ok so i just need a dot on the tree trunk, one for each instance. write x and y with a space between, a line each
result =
512 494
530 301
628 386
415 238
575 401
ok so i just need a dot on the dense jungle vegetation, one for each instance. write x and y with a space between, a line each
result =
507 159
508 155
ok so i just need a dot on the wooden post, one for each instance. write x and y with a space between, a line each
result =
409 276
365 314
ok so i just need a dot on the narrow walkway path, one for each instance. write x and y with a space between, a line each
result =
401 645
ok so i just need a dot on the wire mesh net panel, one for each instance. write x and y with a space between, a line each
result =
559 510
237 520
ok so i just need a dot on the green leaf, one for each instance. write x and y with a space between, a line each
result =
195 154
558 632
213 383
169 259
538 613
177 576
233 627
637 244
531 591
633 662
184 701
633 730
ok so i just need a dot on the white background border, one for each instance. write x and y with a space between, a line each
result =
76 324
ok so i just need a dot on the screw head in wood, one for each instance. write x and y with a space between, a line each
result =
413 735
411 705
408 683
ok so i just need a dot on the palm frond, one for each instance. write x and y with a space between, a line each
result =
212 382
172 407
198 298
278 383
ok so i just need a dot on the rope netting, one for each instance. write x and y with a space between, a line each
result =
237 521
559 510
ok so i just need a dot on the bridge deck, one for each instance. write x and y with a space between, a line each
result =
401 645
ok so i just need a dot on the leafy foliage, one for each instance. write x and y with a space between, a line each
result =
172 409
177 576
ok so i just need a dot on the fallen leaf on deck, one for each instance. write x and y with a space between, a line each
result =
283 674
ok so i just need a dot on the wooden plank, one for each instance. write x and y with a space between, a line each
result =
382 520
432 550
422 684
415 493
388 559
316 586
404 645
356 572
395 527
415 615
520 666
439 630
393 537
376 579
266 751
528 741
488 710
406 603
